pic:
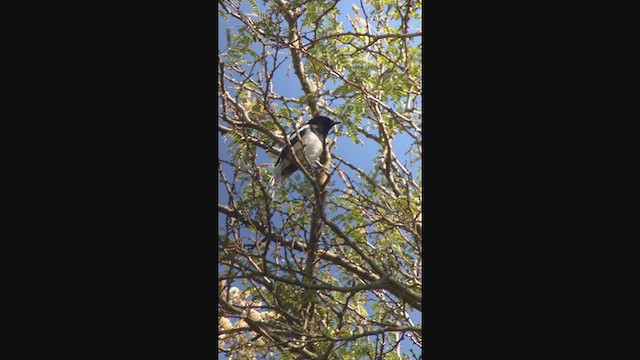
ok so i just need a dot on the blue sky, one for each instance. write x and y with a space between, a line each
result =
360 155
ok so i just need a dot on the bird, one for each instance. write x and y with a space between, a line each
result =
313 135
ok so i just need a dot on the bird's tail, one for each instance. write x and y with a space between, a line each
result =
274 183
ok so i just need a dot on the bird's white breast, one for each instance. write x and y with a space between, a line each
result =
312 146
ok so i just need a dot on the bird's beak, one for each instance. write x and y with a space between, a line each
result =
336 123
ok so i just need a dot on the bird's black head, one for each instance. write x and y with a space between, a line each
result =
323 123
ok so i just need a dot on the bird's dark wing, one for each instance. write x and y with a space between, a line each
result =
293 139
286 150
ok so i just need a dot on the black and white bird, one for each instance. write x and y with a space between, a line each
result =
313 136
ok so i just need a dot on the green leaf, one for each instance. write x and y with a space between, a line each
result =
253 5
223 14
